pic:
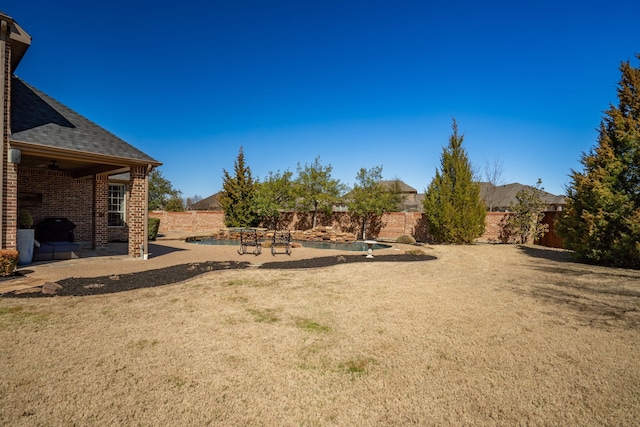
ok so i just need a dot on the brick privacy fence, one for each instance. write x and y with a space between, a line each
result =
205 222
391 226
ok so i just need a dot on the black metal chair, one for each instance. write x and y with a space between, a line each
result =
249 237
281 239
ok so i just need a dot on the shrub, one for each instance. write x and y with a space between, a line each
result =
153 224
406 239
524 224
8 262
415 252
25 220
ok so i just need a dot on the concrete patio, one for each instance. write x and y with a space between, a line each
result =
169 249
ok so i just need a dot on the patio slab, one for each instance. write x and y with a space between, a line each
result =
168 250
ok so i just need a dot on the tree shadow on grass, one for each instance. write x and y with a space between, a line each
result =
607 309
551 254
85 286
563 262
343 259
593 295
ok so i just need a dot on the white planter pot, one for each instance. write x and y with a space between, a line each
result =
25 246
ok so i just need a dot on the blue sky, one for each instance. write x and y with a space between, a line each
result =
357 83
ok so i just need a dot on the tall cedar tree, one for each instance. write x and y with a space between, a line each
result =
601 222
317 190
452 205
370 198
237 195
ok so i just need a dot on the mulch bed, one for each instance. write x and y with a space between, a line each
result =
83 286
328 261
14 275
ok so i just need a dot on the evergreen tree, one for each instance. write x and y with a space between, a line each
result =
601 222
237 195
452 205
317 190
370 198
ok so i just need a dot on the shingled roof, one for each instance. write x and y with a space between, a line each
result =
211 203
36 118
403 187
504 195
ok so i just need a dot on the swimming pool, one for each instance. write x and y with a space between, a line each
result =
341 246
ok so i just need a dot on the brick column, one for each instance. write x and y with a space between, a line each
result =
100 211
137 211
8 171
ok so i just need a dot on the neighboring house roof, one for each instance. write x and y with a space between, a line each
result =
36 118
404 188
211 203
410 198
501 196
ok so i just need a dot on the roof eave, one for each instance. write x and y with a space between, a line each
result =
20 41
64 153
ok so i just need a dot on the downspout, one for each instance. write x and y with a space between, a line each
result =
146 213
3 61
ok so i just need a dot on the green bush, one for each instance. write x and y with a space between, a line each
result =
25 220
406 239
8 262
152 228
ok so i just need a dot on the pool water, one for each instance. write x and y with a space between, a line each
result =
342 246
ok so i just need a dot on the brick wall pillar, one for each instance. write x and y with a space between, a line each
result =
8 171
137 211
100 233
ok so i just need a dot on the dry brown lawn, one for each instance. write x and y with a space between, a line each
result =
484 335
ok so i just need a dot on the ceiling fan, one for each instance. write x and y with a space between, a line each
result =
53 166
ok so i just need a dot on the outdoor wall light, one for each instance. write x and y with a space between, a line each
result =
14 156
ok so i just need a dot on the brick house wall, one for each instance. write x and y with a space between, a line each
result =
100 208
120 233
85 203
137 210
77 200
10 207
59 196
8 175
